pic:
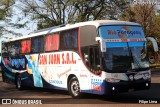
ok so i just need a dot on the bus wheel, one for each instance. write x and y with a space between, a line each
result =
74 88
3 78
18 83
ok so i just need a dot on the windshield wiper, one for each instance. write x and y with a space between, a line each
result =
137 62
134 58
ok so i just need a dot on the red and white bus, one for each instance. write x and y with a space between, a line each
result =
99 57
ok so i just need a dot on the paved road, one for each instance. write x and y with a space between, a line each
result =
62 97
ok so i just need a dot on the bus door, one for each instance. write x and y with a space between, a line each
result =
94 65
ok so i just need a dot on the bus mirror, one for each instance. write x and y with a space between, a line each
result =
154 43
102 44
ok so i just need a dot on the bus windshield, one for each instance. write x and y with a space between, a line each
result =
122 59
117 59
139 58
125 48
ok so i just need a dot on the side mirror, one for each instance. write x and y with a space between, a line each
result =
154 43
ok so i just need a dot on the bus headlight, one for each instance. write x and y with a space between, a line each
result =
112 80
146 76
131 77
147 84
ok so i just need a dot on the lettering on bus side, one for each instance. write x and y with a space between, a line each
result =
55 81
43 59
63 73
68 59
64 58
54 59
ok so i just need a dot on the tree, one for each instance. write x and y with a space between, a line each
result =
49 13
5 12
6 16
145 14
84 10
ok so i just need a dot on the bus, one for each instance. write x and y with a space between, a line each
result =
101 57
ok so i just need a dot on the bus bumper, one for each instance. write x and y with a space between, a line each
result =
128 86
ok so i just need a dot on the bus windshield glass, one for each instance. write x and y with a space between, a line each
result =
125 48
122 59
139 57
117 59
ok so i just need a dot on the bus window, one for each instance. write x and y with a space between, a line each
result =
91 57
25 46
69 40
52 42
17 47
4 49
38 44
13 48
94 59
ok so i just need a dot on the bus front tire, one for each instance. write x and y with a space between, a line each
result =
18 83
74 88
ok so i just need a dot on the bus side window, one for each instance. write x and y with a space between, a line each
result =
13 48
17 47
38 44
4 49
91 57
69 40
94 59
52 42
25 46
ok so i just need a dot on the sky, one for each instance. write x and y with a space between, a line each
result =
31 26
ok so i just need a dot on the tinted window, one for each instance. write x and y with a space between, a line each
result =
38 44
13 48
4 49
25 46
52 42
68 40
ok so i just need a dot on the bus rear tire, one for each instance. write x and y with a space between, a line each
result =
74 88
18 83
3 78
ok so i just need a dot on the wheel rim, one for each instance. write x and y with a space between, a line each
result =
18 83
75 88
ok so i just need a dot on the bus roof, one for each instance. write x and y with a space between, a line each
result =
95 23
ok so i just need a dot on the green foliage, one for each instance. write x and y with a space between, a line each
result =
6 17
5 8
5 14
145 15
55 12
